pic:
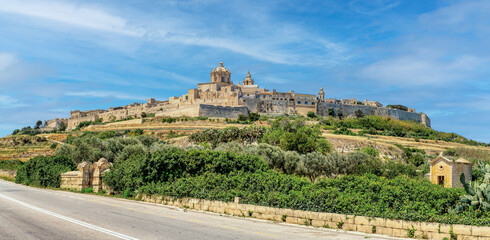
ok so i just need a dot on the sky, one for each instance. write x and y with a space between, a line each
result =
60 56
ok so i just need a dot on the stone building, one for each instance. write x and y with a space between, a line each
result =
54 124
446 171
220 97
88 175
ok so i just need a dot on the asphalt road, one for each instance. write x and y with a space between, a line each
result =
32 213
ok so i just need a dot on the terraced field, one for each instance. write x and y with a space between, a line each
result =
25 151
25 147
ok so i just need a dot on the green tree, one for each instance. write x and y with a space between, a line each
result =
39 123
359 114
253 116
62 127
339 113
311 114
242 118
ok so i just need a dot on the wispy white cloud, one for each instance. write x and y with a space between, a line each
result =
70 13
421 69
105 94
270 44
10 102
372 7
7 60
14 70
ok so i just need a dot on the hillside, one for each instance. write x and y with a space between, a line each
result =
24 147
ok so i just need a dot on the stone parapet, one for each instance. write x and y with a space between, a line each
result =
389 227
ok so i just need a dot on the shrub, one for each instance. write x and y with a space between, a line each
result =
10 165
344 131
53 145
84 124
311 114
169 120
314 165
450 152
232 147
359 114
169 164
370 151
242 117
253 116
134 132
296 136
44 171
400 107
87 190
217 136
91 148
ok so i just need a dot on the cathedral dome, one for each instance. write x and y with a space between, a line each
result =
221 68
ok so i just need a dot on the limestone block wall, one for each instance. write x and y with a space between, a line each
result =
394 228
88 175
71 180
221 111
190 111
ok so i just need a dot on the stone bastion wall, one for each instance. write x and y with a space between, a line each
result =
204 110
350 110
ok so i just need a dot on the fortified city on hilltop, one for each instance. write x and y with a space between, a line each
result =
222 98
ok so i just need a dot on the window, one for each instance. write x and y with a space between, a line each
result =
222 79
440 180
299 102
306 102
312 103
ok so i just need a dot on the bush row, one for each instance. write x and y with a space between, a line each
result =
368 195
171 163
10 165
217 136
44 171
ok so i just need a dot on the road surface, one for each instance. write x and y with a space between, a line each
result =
33 213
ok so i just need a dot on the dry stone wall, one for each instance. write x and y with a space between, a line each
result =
9 174
389 227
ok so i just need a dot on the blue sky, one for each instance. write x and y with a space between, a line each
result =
58 56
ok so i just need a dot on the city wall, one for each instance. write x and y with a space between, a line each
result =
350 110
203 110
222 111
394 228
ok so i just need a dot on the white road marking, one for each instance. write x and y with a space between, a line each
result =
103 230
